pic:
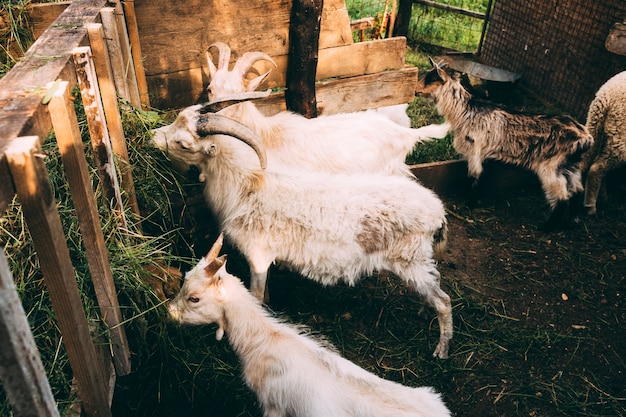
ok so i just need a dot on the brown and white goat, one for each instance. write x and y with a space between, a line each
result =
327 227
551 146
292 373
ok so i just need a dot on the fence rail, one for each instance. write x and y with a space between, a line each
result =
35 98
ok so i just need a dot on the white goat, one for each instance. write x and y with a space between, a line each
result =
327 227
606 121
291 373
550 146
350 142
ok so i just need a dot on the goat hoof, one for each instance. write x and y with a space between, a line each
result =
441 351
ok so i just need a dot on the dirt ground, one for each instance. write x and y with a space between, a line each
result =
539 319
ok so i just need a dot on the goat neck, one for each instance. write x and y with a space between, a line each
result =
452 100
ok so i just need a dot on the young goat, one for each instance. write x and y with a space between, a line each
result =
606 121
327 227
351 142
291 373
550 146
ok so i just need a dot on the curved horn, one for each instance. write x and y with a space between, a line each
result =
214 124
243 64
223 51
221 103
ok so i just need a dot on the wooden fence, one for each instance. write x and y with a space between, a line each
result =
35 99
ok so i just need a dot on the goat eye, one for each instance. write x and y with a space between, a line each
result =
193 299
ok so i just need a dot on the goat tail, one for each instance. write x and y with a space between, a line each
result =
432 131
440 240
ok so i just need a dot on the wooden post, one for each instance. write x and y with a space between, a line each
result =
119 54
70 143
100 141
32 183
135 45
111 110
401 27
304 31
21 371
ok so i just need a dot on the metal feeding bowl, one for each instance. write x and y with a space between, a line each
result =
478 70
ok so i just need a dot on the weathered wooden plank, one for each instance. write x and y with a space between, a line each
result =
21 370
346 60
135 44
98 131
70 144
114 49
48 59
42 15
37 198
112 111
354 94
367 91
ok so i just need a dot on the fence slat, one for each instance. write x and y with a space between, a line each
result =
70 143
21 370
34 190
111 110
98 131
135 44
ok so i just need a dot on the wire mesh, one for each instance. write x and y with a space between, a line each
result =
557 47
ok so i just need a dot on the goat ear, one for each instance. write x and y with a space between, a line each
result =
215 265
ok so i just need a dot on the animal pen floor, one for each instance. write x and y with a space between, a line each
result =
539 319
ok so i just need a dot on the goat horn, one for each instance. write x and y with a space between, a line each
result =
243 64
216 248
223 54
223 102
214 124
214 266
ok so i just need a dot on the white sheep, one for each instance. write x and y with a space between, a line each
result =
606 121
367 141
550 146
327 227
292 373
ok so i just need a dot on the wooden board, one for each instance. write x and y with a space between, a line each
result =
42 15
367 91
354 93
173 39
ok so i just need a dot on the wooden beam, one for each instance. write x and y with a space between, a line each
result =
35 192
70 144
21 370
